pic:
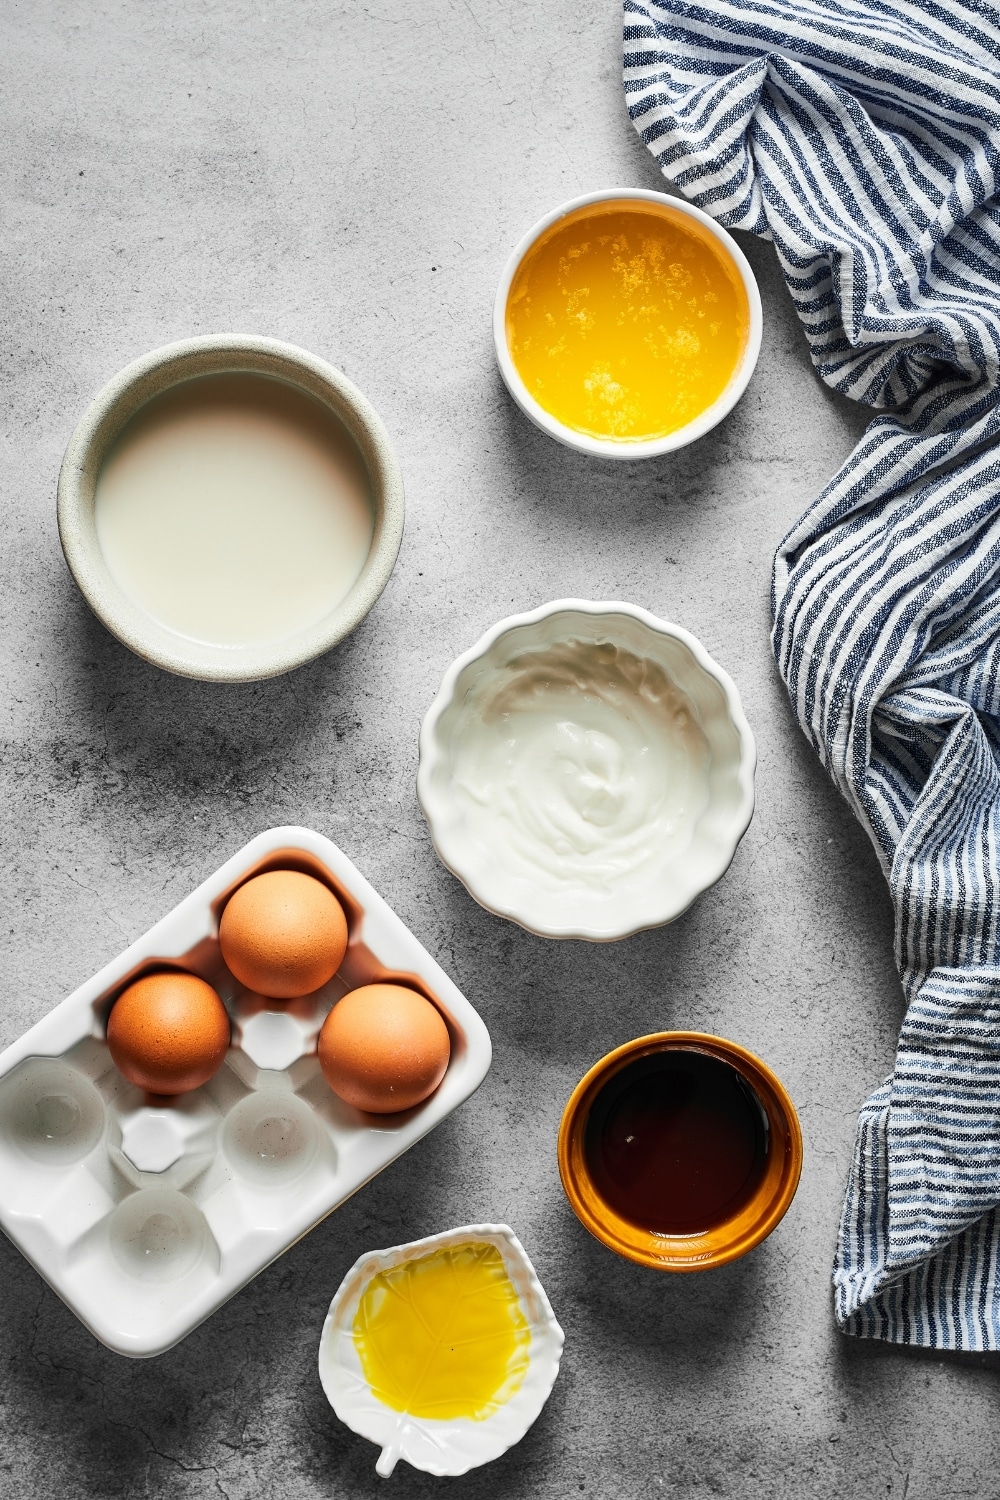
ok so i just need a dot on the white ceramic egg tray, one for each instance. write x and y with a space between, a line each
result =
146 1215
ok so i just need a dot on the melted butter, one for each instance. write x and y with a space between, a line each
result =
626 323
444 1335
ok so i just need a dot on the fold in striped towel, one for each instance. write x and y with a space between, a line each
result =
863 139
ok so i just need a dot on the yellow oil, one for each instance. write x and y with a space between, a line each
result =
444 1335
626 323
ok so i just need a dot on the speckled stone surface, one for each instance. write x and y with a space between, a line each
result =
350 177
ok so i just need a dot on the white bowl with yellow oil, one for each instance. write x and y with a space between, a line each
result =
627 323
442 1351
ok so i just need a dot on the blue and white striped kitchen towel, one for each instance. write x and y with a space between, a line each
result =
863 138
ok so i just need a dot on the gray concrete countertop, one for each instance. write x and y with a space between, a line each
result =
351 177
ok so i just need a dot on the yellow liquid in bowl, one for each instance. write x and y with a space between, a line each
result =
626 323
444 1335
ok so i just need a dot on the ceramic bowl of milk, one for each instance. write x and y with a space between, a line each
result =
586 770
231 507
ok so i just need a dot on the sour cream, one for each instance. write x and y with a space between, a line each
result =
584 762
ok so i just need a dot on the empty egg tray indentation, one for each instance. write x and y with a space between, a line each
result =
161 1209
94 1162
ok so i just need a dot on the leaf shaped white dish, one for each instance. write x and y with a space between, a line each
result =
456 1445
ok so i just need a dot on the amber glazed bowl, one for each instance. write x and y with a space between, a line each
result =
725 1241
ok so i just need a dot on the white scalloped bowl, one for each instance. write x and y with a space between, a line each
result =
454 1446
639 884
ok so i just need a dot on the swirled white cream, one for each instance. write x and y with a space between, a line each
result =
585 762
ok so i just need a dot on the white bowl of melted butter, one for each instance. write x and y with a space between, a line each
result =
587 770
230 507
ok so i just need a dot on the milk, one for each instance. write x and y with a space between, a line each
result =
235 510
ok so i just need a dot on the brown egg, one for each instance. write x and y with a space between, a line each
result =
283 934
384 1048
168 1033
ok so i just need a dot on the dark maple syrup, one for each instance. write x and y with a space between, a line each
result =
676 1142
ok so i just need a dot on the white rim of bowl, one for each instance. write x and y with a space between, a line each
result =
441 817
107 415
605 447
